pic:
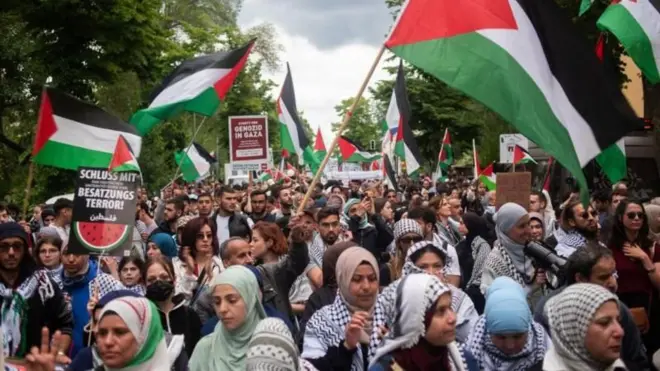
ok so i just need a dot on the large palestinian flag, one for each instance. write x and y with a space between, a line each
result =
72 133
292 133
195 162
636 23
353 152
197 85
525 60
406 144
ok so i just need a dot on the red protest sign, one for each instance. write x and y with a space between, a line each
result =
248 139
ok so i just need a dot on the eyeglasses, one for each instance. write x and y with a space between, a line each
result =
4 247
585 215
410 239
635 215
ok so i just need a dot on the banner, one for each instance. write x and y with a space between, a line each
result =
248 142
104 207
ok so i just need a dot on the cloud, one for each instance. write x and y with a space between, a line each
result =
322 78
326 23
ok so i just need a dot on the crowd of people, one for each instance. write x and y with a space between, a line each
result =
425 277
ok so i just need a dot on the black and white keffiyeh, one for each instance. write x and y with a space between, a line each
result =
405 226
569 314
489 357
439 245
568 242
480 250
415 294
317 248
501 264
327 329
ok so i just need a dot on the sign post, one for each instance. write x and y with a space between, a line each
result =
248 142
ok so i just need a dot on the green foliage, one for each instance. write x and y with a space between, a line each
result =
364 125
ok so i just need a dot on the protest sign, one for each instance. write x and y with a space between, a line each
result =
103 212
514 187
248 142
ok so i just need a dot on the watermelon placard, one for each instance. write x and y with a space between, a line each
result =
104 207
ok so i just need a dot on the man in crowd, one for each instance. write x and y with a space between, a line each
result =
594 263
426 219
538 204
205 204
173 211
329 232
285 201
47 216
577 226
144 223
259 207
63 208
235 251
30 299
600 200
227 218
619 193
456 217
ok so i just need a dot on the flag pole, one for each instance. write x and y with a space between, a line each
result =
341 128
192 140
26 201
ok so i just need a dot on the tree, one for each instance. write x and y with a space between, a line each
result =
363 126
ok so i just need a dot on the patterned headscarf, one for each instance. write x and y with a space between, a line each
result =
415 295
272 349
409 265
405 226
569 314
364 222
142 319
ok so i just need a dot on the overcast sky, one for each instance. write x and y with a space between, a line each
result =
330 45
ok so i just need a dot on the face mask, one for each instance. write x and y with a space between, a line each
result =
356 219
159 290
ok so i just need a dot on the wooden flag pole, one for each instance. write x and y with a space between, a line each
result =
26 200
341 128
192 140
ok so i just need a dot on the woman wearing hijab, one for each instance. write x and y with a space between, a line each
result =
161 244
472 254
508 257
506 338
130 337
272 348
536 227
327 293
422 335
585 330
337 337
429 257
235 294
368 229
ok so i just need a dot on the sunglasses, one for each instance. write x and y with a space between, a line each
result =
635 215
410 239
585 215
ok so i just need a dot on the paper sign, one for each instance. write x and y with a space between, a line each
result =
248 140
514 187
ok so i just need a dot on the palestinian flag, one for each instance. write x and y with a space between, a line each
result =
265 176
406 144
72 133
197 85
292 134
584 6
446 154
375 165
319 146
525 60
123 158
489 178
521 156
389 173
195 162
636 23
352 152
475 160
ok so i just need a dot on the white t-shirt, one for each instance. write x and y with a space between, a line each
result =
223 228
452 267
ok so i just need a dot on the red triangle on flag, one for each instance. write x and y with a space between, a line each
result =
46 125
318 143
346 148
223 85
424 20
122 154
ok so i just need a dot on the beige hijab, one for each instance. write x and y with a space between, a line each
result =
347 263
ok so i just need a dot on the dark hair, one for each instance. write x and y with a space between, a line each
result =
429 248
540 195
163 262
3 207
190 231
144 207
618 192
399 210
272 232
53 240
424 213
178 204
47 212
583 260
379 204
241 229
61 204
139 263
568 214
224 189
326 212
258 193
205 194
618 236
602 195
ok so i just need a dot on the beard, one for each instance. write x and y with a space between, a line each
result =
330 238
588 233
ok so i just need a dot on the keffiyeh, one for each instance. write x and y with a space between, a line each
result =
569 242
272 348
440 246
569 314
364 222
405 226
505 219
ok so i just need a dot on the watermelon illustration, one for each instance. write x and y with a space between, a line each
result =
101 236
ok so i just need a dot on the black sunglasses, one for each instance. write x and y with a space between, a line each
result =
635 215
585 214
